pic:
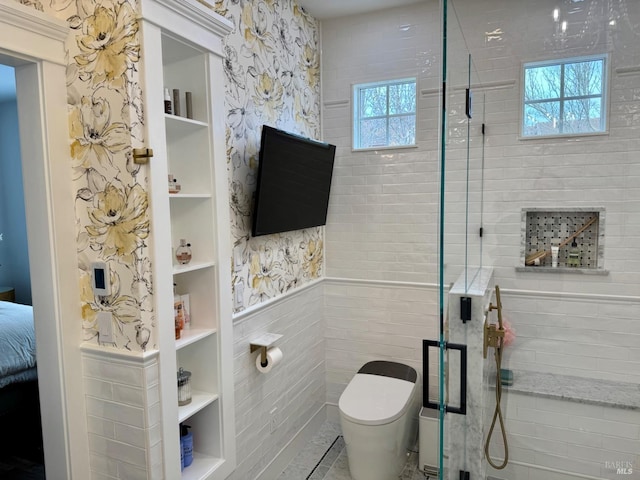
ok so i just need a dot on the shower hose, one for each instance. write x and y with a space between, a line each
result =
497 415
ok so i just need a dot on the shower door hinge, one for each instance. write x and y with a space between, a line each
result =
480 232
465 475
468 103
465 309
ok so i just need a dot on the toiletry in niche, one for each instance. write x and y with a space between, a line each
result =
555 249
573 255
167 101
183 252
184 387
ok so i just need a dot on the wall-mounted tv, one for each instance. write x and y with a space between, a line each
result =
294 179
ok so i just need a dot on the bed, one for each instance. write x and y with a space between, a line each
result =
19 399
18 373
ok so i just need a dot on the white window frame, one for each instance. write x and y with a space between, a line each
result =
355 112
565 61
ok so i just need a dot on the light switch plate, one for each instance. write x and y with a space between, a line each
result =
105 327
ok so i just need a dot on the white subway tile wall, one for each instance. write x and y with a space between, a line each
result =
384 204
123 415
584 337
295 387
547 437
367 321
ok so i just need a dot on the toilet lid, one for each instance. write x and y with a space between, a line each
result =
375 399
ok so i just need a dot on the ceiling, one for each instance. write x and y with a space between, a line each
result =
320 9
325 9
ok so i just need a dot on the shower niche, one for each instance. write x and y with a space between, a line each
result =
567 240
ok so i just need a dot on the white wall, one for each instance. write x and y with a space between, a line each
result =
574 335
376 321
14 257
295 387
550 439
384 204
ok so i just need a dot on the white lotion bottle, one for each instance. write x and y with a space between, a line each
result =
555 249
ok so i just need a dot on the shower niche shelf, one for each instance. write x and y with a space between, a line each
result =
543 227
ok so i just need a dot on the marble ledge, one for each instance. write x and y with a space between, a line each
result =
579 271
576 389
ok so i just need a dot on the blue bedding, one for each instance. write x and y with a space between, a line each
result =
17 343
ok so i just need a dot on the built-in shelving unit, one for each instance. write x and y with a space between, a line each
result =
182 43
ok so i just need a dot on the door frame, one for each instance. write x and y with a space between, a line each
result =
33 43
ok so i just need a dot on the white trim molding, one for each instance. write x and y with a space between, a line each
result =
21 25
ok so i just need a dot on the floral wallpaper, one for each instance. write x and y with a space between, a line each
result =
105 121
272 77
272 69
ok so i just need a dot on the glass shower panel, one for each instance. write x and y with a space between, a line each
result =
462 162
560 194
463 150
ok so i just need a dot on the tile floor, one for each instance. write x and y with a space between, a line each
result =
325 458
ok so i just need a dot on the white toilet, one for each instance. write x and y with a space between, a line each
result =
378 415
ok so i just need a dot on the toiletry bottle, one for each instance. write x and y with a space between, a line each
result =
176 101
186 440
178 313
189 103
555 250
181 453
184 387
167 101
183 252
573 256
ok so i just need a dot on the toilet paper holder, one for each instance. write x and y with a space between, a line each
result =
262 343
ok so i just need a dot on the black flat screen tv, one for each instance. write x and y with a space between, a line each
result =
294 179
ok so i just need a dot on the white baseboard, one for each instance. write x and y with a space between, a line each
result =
293 447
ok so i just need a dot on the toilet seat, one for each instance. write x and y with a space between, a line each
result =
371 399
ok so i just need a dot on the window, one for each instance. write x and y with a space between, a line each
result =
564 97
384 114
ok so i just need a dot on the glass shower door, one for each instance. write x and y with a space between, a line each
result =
460 252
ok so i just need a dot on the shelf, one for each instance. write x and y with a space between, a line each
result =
572 270
183 122
202 467
190 195
192 335
192 267
199 400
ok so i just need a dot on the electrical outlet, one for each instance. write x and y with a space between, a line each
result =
273 420
238 297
